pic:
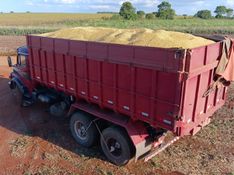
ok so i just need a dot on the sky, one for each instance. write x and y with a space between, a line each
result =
189 7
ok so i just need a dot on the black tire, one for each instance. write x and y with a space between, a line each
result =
17 94
58 109
123 153
78 124
20 98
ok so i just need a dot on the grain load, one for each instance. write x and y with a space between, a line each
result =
136 37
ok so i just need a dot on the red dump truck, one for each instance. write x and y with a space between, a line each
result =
124 97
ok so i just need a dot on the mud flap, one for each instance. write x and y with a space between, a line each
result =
142 148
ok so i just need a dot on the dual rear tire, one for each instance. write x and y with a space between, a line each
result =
83 130
114 140
116 145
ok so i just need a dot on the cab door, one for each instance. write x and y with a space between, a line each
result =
22 66
21 69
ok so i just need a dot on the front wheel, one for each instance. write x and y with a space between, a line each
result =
116 145
83 130
17 95
20 98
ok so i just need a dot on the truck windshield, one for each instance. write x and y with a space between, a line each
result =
21 60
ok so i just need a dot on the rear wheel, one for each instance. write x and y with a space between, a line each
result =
83 130
116 145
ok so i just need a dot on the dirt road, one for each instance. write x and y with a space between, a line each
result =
33 142
9 44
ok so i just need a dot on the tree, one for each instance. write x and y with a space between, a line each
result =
229 12
165 11
150 16
127 11
141 14
220 11
185 16
164 6
204 14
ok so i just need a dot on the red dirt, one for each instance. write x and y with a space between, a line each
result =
33 142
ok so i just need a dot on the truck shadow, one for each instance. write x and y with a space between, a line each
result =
35 121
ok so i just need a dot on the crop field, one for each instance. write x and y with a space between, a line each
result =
37 19
192 25
25 23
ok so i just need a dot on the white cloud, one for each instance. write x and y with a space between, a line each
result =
199 2
230 2
145 3
65 1
181 6
61 1
99 7
97 3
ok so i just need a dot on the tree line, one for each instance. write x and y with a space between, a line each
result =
220 11
165 11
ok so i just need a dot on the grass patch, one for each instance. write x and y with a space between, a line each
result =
48 170
18 146
7 53
14 31
103 172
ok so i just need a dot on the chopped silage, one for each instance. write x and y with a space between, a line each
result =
137 37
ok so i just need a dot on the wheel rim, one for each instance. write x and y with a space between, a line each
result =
80 130
114 147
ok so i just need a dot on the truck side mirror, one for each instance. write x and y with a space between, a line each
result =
9 61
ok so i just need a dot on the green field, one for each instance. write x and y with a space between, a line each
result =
25 23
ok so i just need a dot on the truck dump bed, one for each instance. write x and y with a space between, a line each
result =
162 87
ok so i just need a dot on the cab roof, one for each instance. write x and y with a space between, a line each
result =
23 50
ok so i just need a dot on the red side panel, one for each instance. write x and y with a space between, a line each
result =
153 85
